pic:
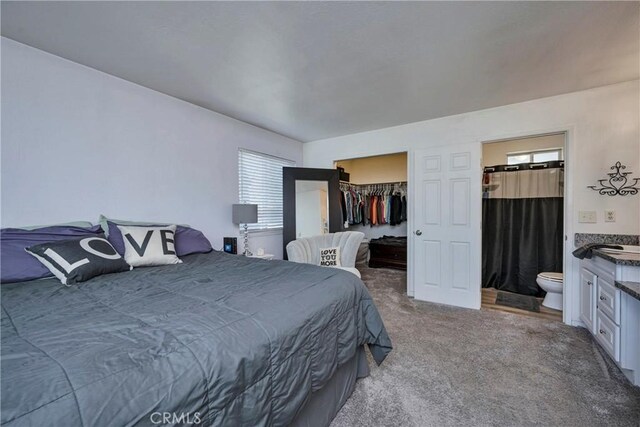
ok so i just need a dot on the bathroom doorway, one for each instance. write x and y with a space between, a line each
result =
523 195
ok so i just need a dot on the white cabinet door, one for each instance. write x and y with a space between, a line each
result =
447 198
588 283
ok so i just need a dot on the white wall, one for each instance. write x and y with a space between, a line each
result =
77 142
496 152
376 169
602 124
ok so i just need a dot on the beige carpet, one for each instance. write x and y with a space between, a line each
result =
458 367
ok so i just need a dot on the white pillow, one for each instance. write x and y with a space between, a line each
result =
149 245
330 257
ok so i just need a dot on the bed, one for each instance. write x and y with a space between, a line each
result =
218 340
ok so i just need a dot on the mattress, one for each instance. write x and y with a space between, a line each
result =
221 338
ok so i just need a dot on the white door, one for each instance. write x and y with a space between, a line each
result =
447 225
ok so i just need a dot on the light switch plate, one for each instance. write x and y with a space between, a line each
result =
609 216
587 217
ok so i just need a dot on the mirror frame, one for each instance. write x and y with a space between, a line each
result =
289 178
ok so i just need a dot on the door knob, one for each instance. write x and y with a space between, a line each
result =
418 233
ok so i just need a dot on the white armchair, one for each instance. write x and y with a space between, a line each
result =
307 249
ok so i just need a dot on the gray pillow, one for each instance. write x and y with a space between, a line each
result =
81 224
104 223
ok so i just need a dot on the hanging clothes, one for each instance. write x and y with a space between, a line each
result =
403 210
396 209
343 206
374 204
373 211
382 211
348 201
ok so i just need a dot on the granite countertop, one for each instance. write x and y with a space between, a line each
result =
632 259
612 239
632 288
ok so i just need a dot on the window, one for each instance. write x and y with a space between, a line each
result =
260 183
534 156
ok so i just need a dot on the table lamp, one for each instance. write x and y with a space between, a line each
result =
245 214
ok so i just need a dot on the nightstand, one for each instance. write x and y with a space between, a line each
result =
263 256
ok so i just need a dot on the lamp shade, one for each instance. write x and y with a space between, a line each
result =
245 214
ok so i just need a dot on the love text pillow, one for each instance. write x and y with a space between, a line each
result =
146 246
77 260
330 257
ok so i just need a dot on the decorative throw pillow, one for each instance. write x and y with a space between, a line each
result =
330 257
149 245
78 260
103 221
188 240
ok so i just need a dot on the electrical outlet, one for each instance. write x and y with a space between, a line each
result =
609 216
587 217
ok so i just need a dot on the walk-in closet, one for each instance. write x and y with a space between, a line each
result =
375 201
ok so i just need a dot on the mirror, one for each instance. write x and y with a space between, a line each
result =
312 208
310 203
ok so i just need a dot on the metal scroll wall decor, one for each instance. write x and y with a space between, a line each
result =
618 183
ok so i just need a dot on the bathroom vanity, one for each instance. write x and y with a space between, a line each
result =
610 306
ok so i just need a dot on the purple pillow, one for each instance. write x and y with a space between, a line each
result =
188 240
18 265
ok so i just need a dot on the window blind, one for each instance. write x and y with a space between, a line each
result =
260 183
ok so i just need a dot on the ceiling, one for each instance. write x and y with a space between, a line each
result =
313 70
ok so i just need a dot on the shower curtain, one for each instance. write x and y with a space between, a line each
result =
522 225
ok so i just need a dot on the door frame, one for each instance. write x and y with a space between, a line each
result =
410 155
569 294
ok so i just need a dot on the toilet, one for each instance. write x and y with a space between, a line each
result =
552 284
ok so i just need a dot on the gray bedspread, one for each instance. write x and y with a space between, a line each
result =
221 338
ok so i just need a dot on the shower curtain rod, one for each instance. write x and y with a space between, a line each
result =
525 166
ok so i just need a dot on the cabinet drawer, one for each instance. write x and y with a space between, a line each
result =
608 300
608 335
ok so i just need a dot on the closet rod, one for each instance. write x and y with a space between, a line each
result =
374 183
